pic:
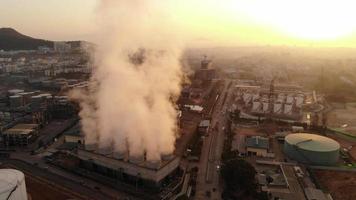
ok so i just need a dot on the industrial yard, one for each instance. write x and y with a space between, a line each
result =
342 117
341 184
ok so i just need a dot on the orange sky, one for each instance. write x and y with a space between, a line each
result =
206 22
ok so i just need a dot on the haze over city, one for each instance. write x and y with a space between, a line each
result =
205 22
177 100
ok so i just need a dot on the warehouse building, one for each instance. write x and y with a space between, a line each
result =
20 134
311 149
257 146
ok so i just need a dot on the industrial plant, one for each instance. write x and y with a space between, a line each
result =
282 102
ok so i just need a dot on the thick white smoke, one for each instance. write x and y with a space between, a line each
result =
136 79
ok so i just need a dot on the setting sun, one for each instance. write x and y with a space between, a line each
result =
313 20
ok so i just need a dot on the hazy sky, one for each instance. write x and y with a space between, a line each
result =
224 22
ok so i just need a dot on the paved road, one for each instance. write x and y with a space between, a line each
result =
208 176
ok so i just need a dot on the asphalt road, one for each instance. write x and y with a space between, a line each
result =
208 177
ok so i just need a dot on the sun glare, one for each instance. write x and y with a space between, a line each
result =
307 19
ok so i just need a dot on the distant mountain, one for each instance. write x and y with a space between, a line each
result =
10 39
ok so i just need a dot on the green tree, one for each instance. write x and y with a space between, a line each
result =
239 174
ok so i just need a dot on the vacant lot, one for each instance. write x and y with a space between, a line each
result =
343 118
341 185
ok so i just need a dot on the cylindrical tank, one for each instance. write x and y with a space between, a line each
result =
311 149
12 185
16 101
36 102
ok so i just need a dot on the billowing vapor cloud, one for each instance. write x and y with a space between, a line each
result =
130 103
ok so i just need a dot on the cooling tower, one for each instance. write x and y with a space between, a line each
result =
120 155
136 159
90 146
106 150
153 164
167 156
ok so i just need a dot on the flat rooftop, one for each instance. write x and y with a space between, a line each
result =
141 169
22 129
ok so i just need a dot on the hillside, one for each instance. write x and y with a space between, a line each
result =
10 39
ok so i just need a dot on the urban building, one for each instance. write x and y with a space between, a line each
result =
20 134
257 145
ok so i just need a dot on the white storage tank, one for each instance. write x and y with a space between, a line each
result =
12 185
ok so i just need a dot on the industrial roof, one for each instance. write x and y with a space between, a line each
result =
312 142
257 142
21 129
75 130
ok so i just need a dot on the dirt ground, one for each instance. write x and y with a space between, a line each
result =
341 185
248 131
341 116
189 124
38 190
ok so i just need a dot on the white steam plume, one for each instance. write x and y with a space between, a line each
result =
137 77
